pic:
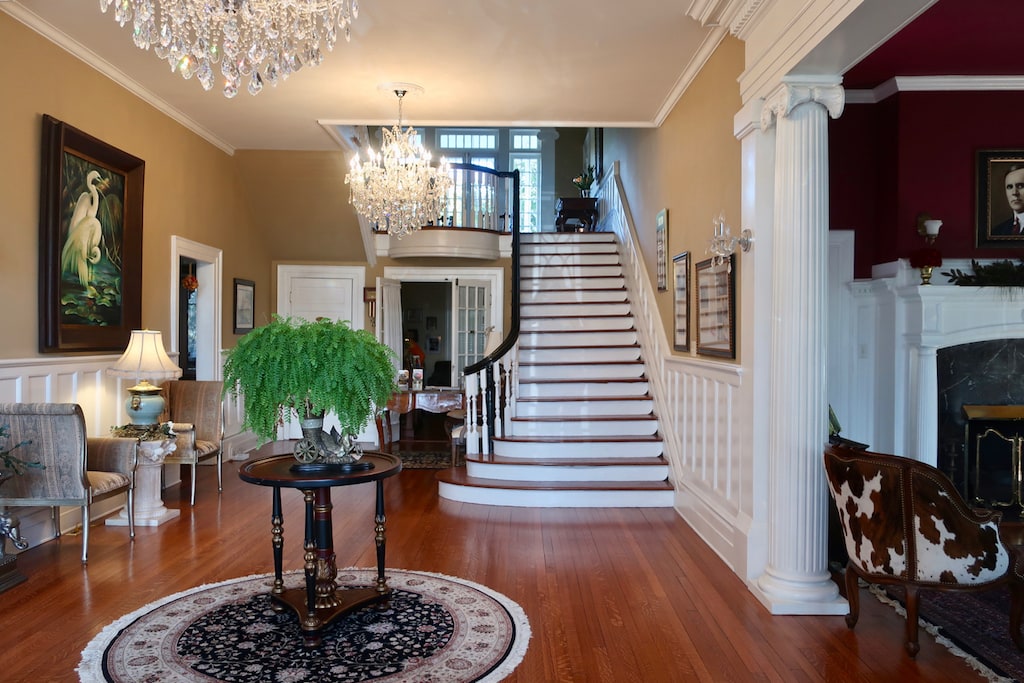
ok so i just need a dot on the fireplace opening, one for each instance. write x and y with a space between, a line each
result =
981 374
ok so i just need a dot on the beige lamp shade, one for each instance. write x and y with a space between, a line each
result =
145 358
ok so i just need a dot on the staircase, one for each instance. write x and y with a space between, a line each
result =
584 432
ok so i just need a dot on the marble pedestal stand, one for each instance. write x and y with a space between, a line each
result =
149 507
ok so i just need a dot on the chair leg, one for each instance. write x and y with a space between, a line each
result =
192 500
1016 612
55 520
220 472
85 532
911 643
852 596
131 513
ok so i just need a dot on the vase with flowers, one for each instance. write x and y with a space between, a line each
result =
584 180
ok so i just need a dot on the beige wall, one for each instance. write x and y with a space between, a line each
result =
690 166
192 188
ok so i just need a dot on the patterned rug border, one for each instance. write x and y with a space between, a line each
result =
972 661
90 668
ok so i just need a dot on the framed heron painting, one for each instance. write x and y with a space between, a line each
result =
90 242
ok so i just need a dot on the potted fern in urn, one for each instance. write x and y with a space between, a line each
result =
312 368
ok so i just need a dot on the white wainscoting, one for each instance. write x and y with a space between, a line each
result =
83 380
702 408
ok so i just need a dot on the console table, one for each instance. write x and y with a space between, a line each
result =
321 601
580 209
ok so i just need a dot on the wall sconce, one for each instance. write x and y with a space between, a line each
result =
928 258
723 243
928 228
370 299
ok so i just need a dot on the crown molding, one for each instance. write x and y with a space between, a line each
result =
81 52
935 84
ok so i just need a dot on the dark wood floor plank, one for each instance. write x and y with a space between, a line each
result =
612 595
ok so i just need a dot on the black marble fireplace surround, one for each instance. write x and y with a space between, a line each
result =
979 373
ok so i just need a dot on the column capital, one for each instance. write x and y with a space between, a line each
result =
793 93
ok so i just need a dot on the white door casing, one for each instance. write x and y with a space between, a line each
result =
209 272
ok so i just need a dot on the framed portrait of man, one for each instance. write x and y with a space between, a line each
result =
1000 193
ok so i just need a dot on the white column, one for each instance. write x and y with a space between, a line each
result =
796 579
927 406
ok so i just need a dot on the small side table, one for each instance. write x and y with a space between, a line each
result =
321 601
149 507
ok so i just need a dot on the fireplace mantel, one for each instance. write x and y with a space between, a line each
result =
901 324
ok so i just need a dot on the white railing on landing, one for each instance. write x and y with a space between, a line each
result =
695 399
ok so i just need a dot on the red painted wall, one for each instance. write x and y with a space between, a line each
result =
914 153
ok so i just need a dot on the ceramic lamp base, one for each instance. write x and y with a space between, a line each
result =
144 404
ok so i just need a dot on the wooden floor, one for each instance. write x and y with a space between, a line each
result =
611 594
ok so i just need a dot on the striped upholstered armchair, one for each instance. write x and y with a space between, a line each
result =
905 523
196 409
76 469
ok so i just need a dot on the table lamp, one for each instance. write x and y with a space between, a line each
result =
143 360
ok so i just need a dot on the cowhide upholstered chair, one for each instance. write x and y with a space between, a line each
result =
196 409
905 523
76 469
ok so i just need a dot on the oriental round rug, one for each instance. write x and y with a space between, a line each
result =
432 628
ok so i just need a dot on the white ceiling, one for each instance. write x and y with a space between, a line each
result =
480 63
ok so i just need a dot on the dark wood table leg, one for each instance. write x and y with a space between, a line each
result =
380 539
277 540
310 624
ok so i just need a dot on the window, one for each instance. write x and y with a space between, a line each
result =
526 158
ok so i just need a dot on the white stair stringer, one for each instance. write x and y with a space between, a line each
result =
583 433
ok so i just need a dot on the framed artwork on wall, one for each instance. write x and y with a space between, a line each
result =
716 308
90 237
245 305
661 242
1000 198
681 301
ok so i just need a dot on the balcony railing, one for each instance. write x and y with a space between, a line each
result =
480 199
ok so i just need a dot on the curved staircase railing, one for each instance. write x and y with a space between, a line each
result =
490 382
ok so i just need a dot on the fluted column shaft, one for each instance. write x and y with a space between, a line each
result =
796 579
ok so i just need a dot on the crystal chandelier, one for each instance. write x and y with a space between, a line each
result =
262 41
398 189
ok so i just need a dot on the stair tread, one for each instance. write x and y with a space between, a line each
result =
580 439
582 362
584 418
492 459
583 380
459 477
563 399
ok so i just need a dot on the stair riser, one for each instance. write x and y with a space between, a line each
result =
567 239
582 408
583 389
568 310
582 451
576 339
557 499
575 284
624 322
573 473
587 428
610 371
580 248
582 354
556 271
568 296
568 259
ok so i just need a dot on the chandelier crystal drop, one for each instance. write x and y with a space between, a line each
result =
253 41
398 189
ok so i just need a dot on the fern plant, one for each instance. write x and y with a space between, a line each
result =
313 367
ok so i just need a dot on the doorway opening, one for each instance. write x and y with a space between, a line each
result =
188 298
205 313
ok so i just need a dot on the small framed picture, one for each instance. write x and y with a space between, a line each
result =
681 297
661 237
716 304
245 299
1000 193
